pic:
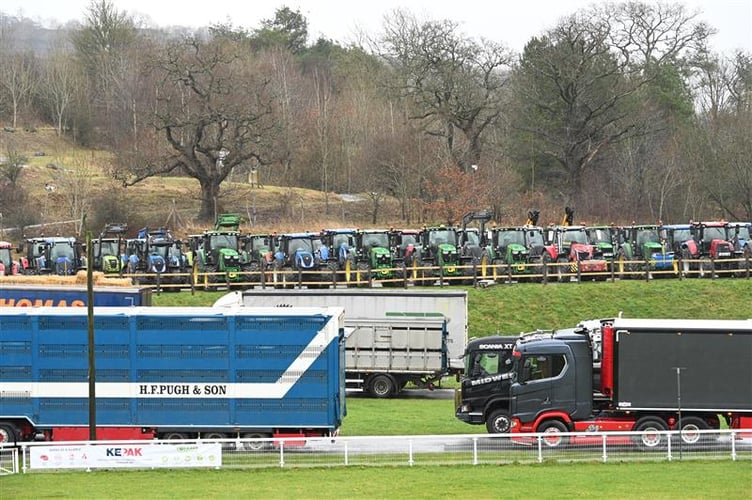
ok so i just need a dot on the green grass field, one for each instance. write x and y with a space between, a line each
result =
679 480
501 308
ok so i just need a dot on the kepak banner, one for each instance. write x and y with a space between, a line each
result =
157 455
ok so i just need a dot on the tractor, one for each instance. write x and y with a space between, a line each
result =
216 253
108 249
739 234
574 253
8 266
58 255
439 256
518 251
374 257
156 257
604 239
708 250
642 248
301 258
341 252
257 255
474 241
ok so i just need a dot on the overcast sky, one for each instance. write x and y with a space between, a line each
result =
512 22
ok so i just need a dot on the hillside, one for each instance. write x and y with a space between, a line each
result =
59 174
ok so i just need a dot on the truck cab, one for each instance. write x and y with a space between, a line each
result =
552 376
483 396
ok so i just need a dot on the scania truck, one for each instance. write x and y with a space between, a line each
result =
655 375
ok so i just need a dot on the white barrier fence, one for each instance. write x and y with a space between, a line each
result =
473 449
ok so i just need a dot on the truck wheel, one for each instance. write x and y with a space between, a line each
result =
382 386
689 427
252 444
498 422
8 433
650 429
553 430
174 436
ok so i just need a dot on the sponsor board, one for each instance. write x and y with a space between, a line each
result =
117 456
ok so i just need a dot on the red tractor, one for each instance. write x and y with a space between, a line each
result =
8 266
709 250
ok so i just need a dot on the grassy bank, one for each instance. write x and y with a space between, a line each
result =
518 308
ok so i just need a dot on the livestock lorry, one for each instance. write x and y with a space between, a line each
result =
655 375
396 336
172 373
31 295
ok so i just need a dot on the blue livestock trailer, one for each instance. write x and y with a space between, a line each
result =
171 372
33 295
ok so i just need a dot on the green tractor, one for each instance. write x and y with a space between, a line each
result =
108 250
642 249
515 251
257 256
216 253
439 257
374 257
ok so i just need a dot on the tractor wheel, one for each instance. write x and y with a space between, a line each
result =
622 268
426 274
484 269
332 269
562 270
686 265
705 269
364 274
349 273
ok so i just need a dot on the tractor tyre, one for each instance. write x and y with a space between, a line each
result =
363 274
622 267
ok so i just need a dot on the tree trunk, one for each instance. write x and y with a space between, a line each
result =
209 200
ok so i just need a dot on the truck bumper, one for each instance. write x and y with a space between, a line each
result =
468 417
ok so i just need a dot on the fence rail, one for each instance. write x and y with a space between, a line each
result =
479 274
466 449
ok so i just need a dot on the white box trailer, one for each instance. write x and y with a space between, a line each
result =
396 336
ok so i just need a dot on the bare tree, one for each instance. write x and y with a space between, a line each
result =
582 87
18 80
59 87
452 83
212 114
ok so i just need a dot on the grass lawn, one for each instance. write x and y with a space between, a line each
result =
680 480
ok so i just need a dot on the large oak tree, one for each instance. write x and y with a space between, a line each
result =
211 113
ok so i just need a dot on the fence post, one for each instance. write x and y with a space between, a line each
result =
282 453
475 451
540 449
410 460
605 453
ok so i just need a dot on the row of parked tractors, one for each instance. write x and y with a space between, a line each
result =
470 253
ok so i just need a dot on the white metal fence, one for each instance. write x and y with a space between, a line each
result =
470 449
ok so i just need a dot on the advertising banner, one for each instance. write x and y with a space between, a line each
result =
95 456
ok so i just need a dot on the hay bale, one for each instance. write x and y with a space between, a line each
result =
98 279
